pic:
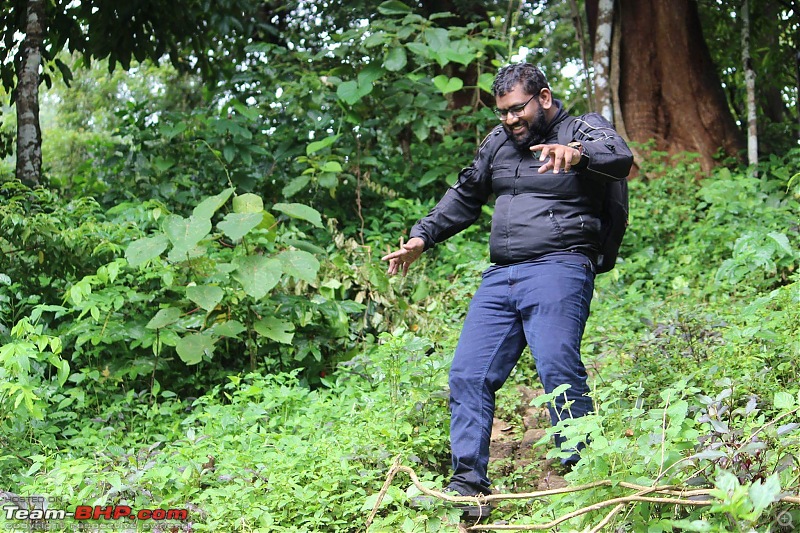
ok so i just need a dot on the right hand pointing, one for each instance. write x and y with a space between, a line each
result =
407 254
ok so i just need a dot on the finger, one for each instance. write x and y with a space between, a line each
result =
558 157
405 268
545 153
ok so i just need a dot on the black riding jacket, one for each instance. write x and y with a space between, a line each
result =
534 214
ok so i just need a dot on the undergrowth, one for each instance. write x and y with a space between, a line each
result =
692 345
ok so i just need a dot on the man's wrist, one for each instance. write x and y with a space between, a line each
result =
579 154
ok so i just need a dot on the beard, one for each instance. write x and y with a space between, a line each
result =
532 132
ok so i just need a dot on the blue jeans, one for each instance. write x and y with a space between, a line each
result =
543 303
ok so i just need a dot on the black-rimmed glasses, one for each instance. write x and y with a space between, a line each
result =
515 111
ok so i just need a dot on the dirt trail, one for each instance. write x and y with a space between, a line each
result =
512 448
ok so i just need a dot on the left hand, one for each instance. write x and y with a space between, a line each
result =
559 155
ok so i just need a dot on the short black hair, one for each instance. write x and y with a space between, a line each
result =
508 77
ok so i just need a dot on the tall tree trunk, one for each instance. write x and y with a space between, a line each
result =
750 83
602 59
796 8
579 33
29 132
669 88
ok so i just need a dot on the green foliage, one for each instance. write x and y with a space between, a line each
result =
296 459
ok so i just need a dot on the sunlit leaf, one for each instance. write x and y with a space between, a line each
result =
229 328
275 329
395 59
248 203
316 146
299 264
210 205
193 347
447 85
185 233
257 274
164 318
300 211
393 7
237 225
206 296
143 250
296 185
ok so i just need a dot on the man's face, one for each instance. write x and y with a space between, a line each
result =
526 126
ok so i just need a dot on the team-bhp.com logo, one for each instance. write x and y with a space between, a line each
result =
44 510
96 512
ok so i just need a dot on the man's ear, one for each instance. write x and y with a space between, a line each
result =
546 98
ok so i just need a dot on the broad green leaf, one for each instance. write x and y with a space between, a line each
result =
304 245
420 49
316 146
300 211
438 39
185 233
164 318
421 130
328 180
765 495
229 328
229 152
143 250
376 39
237 225
485 82
206 296
178 255
193 347
296 185
268 224
257 274
783 400
251 113
447 85
171 130
783 242
393 7
209 206
163 164
351 91
460 52
369 75
275 329
348 91
332 166
299 264
395 59
63 372
248 203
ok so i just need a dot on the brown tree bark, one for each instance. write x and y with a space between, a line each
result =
26 96
669 90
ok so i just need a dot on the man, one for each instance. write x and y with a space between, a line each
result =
544 244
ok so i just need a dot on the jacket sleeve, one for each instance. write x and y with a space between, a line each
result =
461 204
608 154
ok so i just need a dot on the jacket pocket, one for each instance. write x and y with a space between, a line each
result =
557 227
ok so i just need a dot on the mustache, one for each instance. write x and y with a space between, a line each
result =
524 139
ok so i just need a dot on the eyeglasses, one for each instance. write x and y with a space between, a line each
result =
514 111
